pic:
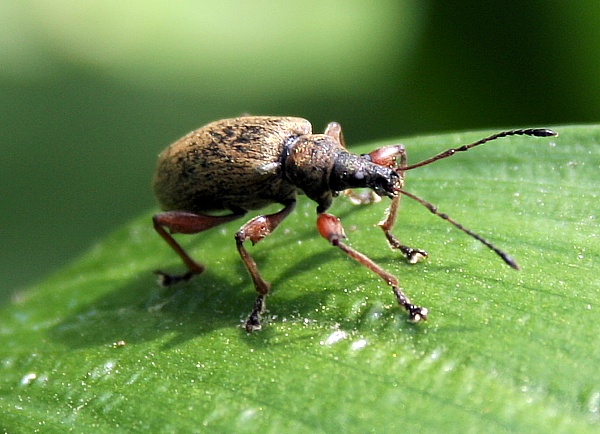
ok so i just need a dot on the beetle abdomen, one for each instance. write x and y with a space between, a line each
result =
228 164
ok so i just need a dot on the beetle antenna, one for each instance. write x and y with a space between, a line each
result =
537 132
505 257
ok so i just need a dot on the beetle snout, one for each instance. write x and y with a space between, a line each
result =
387 185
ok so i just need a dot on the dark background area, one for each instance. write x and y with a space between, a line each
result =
91 93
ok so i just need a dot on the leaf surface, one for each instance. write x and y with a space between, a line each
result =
99 347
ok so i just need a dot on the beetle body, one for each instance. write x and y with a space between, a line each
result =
217 173
249 162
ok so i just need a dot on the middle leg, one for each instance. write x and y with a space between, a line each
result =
255 230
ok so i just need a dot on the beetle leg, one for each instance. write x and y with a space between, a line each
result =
255 230
365 197
387 156
412 255
184 223
334 130
331 229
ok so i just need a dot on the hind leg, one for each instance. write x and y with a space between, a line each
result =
183 222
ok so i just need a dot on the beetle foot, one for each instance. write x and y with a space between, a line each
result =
414 255
253 321
165 280
416 313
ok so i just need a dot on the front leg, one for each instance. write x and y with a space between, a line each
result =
412 255
388 157
368 197
331 229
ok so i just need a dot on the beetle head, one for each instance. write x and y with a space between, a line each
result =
358 171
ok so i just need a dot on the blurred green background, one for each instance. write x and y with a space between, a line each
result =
91 92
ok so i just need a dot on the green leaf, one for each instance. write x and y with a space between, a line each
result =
99 347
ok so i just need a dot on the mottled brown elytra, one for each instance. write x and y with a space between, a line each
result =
245 163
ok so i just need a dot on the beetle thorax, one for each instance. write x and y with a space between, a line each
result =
321 167
308 164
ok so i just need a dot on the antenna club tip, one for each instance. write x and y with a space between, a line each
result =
508 260
545 132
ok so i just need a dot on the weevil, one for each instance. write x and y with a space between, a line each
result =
221 171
